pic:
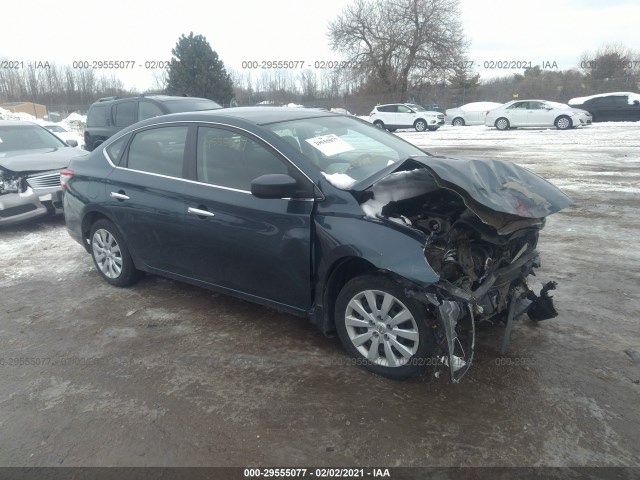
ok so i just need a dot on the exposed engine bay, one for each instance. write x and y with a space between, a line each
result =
482 255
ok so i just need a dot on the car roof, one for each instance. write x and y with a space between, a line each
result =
159 98
256 115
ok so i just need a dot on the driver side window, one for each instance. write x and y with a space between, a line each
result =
232 159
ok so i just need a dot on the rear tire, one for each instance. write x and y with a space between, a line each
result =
378 123
458 122
111 256
392 339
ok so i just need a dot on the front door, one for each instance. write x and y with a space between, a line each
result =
260 247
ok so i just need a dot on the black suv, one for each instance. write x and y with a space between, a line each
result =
610 107
111 114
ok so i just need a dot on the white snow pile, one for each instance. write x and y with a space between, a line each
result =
75 123
294 105
340 180
7 115
632 97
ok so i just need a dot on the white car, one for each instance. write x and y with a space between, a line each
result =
469 114
405 115
536 113
64 134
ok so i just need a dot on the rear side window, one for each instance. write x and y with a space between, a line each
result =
158 150
125 114
115 149
97 117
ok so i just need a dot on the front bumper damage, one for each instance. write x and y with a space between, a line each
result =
458 310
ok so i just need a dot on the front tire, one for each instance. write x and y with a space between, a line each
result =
383 329
502 124
563 122
111 256
420 125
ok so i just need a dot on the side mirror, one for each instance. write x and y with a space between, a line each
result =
274 185
72 143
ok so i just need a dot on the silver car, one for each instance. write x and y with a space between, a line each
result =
537 113
31 158
469 114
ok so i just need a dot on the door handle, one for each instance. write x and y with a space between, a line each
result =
119 196
200 213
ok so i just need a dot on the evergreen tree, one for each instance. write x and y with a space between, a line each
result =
197 71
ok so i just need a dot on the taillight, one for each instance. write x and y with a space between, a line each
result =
65 176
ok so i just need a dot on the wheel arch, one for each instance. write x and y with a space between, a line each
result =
92 217
340 272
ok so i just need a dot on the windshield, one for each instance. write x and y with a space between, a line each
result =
346 150
27 137
191 105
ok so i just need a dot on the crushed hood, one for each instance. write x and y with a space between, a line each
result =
42 159
496 191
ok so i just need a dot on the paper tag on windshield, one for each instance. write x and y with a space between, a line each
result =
330 144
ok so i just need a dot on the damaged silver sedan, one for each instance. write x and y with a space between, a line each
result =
31 158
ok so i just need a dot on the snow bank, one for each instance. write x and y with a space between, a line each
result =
632 97
7 115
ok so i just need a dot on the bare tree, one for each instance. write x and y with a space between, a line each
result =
396 41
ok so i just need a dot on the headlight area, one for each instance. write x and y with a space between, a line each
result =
11 183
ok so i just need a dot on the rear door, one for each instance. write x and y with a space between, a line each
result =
146 197
260 247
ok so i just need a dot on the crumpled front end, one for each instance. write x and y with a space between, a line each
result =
481 221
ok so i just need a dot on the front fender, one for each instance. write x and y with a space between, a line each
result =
384 244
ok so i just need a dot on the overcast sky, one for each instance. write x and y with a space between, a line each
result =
71 30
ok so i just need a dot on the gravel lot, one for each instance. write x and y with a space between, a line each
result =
167 374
